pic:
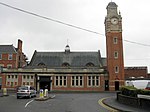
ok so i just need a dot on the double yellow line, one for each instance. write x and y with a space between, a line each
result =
105 106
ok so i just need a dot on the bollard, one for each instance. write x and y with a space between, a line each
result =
41 93
46 93
4 91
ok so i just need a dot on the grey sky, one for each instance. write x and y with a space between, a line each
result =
43 35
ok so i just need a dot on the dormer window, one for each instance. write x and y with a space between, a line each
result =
41 64
65 64
89 64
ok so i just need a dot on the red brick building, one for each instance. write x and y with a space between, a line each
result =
11 58
75 71
136 72
114 45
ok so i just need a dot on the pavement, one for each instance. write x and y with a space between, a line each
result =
113 103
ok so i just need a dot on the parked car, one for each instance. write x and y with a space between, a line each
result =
148 86
26 91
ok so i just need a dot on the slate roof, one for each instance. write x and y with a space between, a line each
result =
7 49
73 59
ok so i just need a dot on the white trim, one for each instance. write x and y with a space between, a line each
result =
115 40
116 69
90 78
62 85
116 54
77 78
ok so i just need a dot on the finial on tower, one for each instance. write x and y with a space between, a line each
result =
67 48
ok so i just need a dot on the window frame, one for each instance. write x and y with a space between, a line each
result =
116 69
115 40
10 56
116 54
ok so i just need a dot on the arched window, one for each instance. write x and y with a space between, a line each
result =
90 64
41 64
65 64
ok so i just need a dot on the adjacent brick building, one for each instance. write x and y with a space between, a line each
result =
136 72
11 58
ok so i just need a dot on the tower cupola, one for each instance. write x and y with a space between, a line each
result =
67 49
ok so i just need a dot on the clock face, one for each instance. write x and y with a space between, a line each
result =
114 20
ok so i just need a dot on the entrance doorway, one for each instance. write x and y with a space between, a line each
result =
45 82
106 85
116 85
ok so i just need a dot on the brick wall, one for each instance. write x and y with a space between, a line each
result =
136 72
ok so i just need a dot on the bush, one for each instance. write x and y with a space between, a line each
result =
132 91
129 91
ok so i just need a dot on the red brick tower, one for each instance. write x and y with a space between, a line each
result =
114 45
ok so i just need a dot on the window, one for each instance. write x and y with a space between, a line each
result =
97 80
61 81
12 76
27 83
56 80
93 81
89 80
15 83
116 55
31 76
16 76
77 81
8 76
73 80
12 83
10 57
115 39
81 79
0 56
1 65
28 76
9 66
116 69
31 83
8 83
24 77
24 83
90 64
65 64
65 80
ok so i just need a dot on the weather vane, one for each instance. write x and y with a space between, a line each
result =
67 41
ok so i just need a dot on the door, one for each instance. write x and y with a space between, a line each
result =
45 82
106 85
116 85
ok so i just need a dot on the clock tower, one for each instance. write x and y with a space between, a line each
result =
114 46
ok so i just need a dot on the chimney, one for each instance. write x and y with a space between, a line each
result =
19 45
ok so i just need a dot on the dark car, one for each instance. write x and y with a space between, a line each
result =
26 91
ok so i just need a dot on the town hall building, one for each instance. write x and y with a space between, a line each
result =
76 71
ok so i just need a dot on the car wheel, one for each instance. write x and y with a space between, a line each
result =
17 97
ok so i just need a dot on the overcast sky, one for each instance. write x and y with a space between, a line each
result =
44 35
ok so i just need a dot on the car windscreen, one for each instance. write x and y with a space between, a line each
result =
23 88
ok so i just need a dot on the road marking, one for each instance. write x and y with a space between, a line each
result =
105 106
53 96
28 103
